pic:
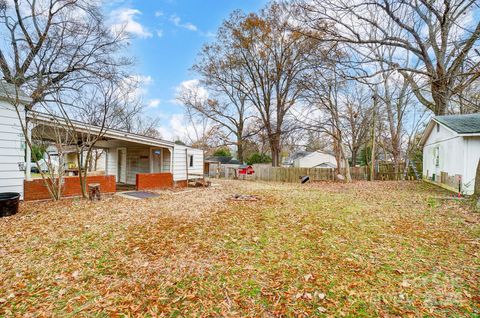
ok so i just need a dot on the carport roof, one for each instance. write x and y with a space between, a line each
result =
109 133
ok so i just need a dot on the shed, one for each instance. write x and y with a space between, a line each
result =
451 151
311 159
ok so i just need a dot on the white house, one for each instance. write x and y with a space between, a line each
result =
315 159
12 140
451 151
127 154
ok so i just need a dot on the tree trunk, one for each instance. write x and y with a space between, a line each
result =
348 176
240 150
440 97
275 149
337 152
354 157
372 168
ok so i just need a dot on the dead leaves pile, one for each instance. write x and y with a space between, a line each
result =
326 249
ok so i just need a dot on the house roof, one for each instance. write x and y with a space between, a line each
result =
462 124
298 155
11 92
222 160
303 154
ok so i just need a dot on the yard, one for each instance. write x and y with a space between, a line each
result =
326 249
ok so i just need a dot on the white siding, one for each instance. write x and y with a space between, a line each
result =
12 149
457 156
451 153
181 159
472 155
315 159
179 163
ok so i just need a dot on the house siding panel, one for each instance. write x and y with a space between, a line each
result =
12 149
180 159
472 156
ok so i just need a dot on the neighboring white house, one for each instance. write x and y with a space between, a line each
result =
451 151
127 154
315 159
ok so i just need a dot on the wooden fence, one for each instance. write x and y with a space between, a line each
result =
291 174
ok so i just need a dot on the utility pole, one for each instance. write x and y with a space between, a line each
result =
372 169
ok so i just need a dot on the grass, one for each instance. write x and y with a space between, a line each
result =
326 249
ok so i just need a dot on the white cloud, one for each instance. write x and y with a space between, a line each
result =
123 20
186 25
191 85
136 86
159 33
153 103
158 13
176 128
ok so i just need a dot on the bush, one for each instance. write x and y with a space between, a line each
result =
258 158
37 152
222 152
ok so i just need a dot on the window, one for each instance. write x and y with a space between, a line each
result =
191 160
436 156
438 127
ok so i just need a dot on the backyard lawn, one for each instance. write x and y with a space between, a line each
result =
326 249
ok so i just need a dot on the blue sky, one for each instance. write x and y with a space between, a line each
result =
167 36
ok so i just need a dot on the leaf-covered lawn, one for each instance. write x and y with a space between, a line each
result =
361 250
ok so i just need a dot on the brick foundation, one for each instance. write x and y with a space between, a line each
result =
150 181
37 190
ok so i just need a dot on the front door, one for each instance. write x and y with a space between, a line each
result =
121 165
157 159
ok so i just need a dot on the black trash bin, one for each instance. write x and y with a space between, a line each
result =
304 179
9 203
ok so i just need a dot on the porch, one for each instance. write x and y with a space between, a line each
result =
128 161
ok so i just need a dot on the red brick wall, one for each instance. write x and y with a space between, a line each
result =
36 189
161 180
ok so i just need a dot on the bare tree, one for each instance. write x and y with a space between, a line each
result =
201 132
356 117
54 50
325 111
227 109
443 36
273 59
225 79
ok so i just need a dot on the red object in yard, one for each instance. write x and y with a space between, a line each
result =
246 170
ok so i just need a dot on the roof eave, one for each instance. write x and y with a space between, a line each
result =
113 134
24 100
